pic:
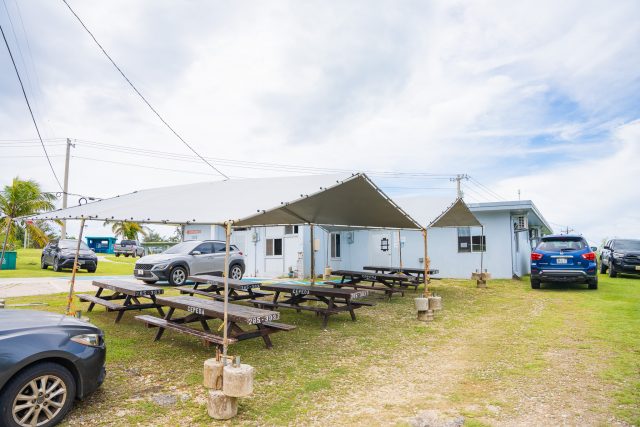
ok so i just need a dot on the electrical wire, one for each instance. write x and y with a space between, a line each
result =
487 189
29 106
140 94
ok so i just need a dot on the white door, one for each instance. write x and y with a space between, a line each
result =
380 248
291 248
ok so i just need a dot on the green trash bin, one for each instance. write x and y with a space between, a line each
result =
9 261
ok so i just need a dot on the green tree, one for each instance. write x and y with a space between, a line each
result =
19 199
127 229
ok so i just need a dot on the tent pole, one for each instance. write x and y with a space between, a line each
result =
425 294
482 249
6 237
75 269
400 249
225 342
313 256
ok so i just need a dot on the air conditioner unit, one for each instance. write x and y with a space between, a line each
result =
521 222
350 237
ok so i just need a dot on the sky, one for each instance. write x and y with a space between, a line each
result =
532 99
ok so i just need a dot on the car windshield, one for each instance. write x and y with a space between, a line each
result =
562 244
627 245
72 244
128 242
182 248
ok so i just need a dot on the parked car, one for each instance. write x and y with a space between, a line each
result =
620 256
189 258
62 253
47 361
128 248
563 258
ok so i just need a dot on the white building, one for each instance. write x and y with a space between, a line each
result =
511 229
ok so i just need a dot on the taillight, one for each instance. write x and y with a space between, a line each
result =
591 256
536 256
240 253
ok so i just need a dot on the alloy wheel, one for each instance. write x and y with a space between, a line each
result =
179 276
236 272
39 401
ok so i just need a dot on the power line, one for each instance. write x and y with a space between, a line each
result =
140 94
30 110
487 189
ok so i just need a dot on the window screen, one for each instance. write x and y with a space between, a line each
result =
335 245
274 247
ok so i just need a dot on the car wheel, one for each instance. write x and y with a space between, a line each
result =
91 270
535 284
117 255
235 272
56 264
150 282
603 268
612 270
593 283
126 255
41 395
43 264
178 276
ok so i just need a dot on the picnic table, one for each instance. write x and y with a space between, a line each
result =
391 283
334 300
130 292
213 287
418 273
202 310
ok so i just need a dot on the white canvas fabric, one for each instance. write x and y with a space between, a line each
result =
337 199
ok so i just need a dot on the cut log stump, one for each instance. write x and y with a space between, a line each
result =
220 406
213 374
425 315
238 380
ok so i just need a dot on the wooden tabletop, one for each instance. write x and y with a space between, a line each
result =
321 290
240 285
368 275
128 288
414 270
212 308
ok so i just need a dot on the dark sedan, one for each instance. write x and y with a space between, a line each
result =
47 361
62 254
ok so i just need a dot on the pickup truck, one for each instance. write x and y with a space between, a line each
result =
128 248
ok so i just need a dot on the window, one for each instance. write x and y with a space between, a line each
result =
274 247
205 248
470 239
335 245
219 247
290 229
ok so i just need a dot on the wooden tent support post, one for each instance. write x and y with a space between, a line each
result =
400 249
6 238
75 269
313 256
225 339
426 292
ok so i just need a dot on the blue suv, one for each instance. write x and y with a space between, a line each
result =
563 258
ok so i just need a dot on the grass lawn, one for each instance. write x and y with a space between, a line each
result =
28 265
504 355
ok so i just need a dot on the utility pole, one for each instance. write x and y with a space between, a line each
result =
518 194
65 191
459 177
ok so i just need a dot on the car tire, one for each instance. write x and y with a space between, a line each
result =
235 272
535 284
612 270
593 283
56 264
117 255
150 282
21 385
43 264
126 255
91 270
603 268
178 276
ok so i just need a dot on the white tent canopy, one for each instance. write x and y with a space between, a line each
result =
337 199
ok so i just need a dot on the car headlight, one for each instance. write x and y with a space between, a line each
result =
159 266
617 255
91 340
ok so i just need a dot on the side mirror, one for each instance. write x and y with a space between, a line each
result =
606 247
196 253
594 248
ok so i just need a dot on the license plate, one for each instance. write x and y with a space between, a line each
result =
638 267
141 272
80 262
561 261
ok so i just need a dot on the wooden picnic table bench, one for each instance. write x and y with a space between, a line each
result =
334 300
416 275
202 310
213 287
130 292
392 283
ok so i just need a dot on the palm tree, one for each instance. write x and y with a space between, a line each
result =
19 199
127 229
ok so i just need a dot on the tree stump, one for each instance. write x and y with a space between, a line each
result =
213 374
238 380
220 406
425 316
435 303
